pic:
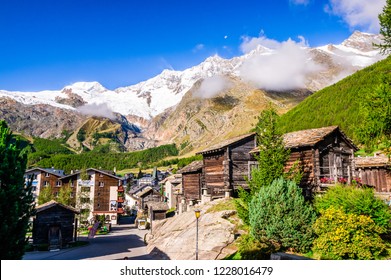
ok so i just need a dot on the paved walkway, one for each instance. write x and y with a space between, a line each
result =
123 241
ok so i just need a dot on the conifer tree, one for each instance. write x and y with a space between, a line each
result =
271 160
385 29
16 198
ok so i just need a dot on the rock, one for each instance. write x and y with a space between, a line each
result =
175 238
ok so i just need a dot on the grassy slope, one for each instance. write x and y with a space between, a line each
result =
337 104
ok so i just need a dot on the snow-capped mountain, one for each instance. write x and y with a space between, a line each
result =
152 97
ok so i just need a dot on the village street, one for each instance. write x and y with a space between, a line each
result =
123 241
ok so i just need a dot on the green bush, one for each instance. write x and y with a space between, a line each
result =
253 249
280 214
347 236
359 201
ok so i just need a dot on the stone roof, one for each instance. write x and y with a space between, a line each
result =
192 167
159 206
53 203
375 161
310 137
224 144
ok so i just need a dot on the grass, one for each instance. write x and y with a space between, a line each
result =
223 206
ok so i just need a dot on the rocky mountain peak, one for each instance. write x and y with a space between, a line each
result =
362 41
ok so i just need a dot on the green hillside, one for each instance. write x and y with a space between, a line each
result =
338 104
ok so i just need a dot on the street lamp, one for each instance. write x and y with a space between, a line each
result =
197 214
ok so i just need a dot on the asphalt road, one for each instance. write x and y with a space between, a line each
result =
123 241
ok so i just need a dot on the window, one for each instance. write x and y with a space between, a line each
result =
58 183
56 194
47 174
46 183
101 184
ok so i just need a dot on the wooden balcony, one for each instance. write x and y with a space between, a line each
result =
120 211
121 189
120 199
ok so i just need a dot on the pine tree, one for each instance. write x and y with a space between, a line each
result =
279 213
385 29
16 198
271 160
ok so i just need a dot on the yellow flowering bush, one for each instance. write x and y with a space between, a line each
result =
347 236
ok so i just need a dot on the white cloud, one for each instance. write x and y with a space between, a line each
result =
198 47
211 86
300 2
97 110
285 67
358 13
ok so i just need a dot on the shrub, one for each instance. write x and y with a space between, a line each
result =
347 236
253 249
353 200
280 214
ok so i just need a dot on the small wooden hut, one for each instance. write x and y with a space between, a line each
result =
192 180
326 156
226 165
54 225
374 172
157 210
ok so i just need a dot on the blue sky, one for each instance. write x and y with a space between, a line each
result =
47 44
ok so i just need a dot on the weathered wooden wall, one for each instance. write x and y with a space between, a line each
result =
377 177
214 174
54 216
191 183
305 158
239 162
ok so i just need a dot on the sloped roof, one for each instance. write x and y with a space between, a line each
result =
376 161
310 137
53 203
224 144
192 167
105 172
157 205
55 172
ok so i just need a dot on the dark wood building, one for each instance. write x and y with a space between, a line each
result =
226 166
192 180
326 156
374 172
54 225
157 210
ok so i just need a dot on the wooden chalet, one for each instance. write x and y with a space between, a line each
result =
326 155
54 225
226 166
192 180
374 172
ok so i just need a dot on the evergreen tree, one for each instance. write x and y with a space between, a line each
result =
16 199
271 160
375 112
385 29
279 214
